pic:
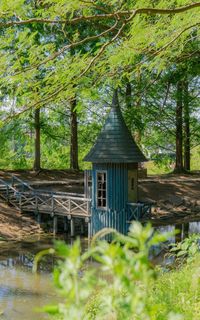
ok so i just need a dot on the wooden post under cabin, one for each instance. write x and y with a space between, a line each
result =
55 224
65 224
39 218
72 225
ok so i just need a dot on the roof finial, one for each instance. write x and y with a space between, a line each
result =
115 101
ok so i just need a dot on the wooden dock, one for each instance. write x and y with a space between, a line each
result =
67 207
55 204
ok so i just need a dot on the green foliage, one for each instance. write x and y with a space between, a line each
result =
117 281
31 50
195 158
154 169
115 284
186 249
166 166
176 294
46 63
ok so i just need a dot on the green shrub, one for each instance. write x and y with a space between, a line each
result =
116 281
187 249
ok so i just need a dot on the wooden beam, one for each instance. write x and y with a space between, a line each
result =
65 224
72 225
55 225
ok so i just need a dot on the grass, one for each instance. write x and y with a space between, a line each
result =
177 292
195 158
153 168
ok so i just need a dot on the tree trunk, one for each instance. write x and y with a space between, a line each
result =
36 165
138 104
179 128
186 128
74 136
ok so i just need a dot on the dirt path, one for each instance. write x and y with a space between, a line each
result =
14 225
173 196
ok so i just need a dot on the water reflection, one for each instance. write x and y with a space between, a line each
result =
21 291
183 230
178 232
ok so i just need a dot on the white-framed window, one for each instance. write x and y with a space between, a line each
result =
101 189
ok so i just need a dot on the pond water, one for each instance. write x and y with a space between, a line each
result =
22 292
178 232
183 229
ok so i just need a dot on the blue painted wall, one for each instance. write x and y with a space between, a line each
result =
114 216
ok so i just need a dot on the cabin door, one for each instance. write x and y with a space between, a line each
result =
132 186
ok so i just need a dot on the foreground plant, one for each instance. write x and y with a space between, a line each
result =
110 280
115 280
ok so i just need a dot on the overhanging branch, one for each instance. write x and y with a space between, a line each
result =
123 16
127 14
69 46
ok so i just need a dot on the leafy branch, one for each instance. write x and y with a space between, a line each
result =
121 18
70 46
126 14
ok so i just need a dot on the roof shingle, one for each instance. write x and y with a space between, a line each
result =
115 143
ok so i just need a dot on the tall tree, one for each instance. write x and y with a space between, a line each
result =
37 158
73 136
179 127
186 125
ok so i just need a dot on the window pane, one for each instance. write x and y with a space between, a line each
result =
101 189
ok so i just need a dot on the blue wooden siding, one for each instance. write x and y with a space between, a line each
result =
115 216
109 219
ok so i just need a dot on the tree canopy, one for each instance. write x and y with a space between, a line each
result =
65 54
108 37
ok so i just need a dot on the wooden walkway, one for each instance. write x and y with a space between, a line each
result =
65 206
23 197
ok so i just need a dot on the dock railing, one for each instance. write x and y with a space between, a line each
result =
52 203
24 197
20 184
138 210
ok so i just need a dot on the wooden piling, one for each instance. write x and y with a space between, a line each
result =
55 224
38 217
72 227
89 229
65 224
82 226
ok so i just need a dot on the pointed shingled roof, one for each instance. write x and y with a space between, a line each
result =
115 143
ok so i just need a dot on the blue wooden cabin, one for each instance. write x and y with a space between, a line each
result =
115 157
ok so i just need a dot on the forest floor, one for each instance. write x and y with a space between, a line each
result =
174 198
15 226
